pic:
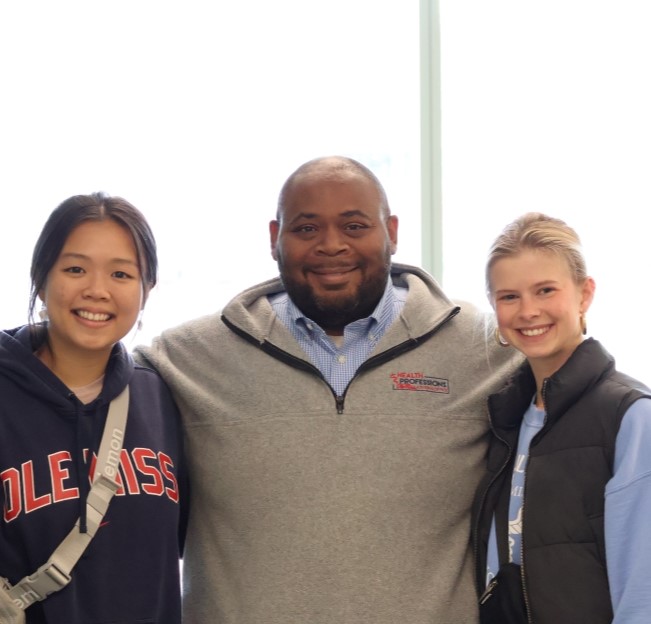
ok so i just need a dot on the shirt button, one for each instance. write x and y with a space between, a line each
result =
341 359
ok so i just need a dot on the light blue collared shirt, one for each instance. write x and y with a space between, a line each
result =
339 364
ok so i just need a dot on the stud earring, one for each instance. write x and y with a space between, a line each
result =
498 338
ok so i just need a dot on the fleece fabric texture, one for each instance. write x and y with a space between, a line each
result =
312 507
48 441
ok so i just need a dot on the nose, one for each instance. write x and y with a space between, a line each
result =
331 242
96 287
529 308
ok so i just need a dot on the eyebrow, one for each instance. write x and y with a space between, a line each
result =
77 256
346 215
536 285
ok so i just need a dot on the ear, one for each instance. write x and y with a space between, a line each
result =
587 294
274 230
392 230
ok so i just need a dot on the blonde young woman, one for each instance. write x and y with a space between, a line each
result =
561 522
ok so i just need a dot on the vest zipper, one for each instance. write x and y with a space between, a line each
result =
525 595
524 496
488 592
485 592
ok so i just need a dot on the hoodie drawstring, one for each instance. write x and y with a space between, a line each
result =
81 465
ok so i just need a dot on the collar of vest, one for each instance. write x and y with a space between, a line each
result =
589 363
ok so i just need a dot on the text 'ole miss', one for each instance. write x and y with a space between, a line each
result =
141 471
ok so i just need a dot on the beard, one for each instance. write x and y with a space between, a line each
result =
336 310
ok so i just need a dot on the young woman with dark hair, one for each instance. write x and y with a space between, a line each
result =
93 267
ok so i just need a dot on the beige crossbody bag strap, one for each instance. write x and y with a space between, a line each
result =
55 573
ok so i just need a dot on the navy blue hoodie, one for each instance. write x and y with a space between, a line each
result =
48 442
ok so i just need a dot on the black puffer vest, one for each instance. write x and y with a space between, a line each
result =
570 461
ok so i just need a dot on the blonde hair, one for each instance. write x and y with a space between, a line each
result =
537 231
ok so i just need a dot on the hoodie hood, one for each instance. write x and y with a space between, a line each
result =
19 364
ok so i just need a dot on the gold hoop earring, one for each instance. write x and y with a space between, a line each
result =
498 338
584 325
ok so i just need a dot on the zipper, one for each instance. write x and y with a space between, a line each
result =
301 364
525 593
488 592
392 353
287 358
482 502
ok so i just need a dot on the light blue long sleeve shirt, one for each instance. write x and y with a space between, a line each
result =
627 515
628 518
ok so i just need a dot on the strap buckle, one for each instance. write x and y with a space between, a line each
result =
38 586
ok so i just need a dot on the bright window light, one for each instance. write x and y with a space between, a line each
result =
196 112
546 107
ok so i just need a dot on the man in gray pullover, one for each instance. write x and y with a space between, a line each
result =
336 425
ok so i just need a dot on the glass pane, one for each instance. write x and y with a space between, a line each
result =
197 112
546 107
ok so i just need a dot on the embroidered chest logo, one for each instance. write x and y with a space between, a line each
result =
419 382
